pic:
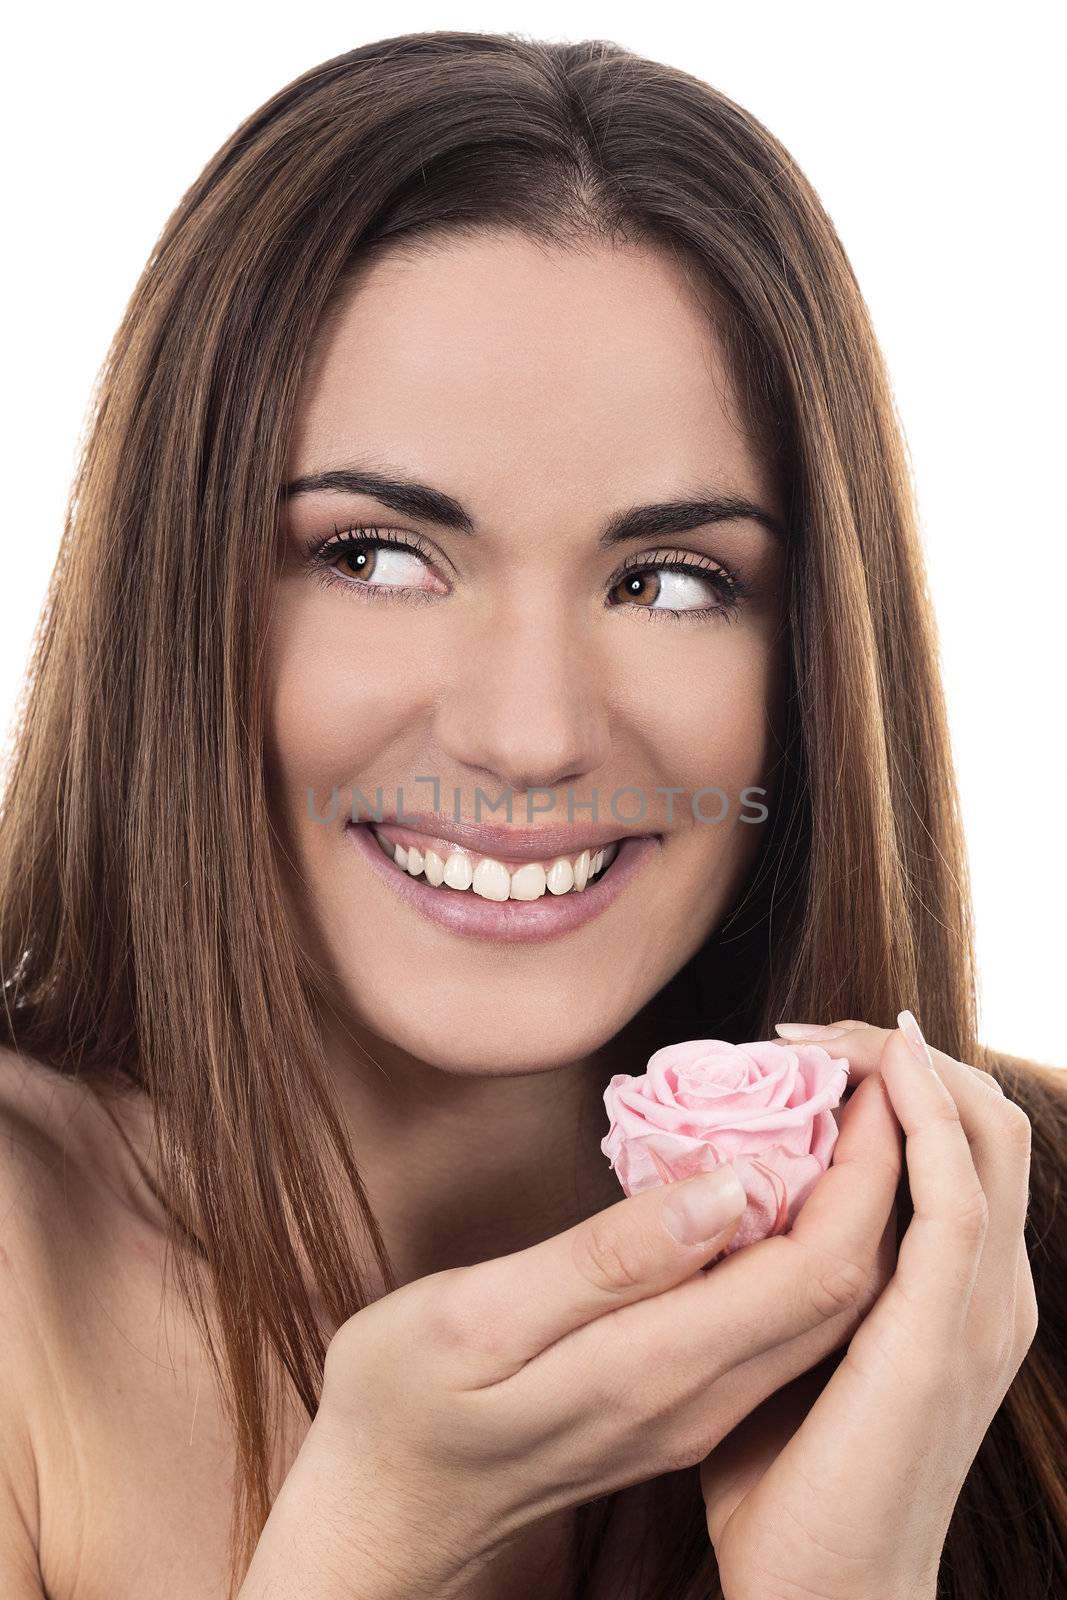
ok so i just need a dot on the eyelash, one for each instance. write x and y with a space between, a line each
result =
734 590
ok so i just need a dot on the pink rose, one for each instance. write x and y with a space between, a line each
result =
766 1107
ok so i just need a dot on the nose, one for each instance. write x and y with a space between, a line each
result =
526 706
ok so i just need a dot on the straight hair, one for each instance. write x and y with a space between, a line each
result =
144 941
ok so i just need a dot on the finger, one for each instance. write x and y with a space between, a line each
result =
997 1130
603 1429
762 1297
497 1315
651 1385
942 1246
747 1385
862 1043
1003 1309
880 1398
869 1139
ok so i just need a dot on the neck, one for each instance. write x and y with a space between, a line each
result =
462 1168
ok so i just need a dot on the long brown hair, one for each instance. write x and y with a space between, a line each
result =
144 942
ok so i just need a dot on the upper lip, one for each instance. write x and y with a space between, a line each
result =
501 842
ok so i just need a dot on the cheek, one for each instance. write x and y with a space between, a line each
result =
711 722
718 738
335 700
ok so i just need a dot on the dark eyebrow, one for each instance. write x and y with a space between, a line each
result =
638 523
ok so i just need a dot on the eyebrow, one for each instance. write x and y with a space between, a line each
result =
431 505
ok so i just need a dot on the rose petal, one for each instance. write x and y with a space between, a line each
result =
767 1108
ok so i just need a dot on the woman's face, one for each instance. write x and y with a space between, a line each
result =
502 642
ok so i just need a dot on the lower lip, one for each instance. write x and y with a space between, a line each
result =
510 921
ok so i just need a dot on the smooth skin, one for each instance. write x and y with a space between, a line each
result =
605 1355
601 1357
546 391
548 1341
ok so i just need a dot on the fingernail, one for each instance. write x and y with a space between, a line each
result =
916 1043
702 1207
807 1030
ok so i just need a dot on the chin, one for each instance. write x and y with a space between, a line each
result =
454 1035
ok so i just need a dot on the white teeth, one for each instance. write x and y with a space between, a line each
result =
560 876
491 880
434 868
458 874
529 882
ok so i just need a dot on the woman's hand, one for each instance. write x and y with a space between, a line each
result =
470 1404
844 1488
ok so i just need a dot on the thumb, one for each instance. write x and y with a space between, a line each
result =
630 1251
705 1211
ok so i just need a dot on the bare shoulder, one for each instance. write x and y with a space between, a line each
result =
65 1177
43 1172
44 1152
32 1102
33 1246
122 1471
63 1185
60 1138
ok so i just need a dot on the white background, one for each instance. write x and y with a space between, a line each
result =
933 139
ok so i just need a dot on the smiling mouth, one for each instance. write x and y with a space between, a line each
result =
491 879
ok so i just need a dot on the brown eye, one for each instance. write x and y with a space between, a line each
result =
359 563
640 586
374 561
676 588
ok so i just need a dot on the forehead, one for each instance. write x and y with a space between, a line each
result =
505 368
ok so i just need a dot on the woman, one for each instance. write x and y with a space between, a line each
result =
520 342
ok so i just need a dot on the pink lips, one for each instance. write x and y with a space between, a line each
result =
510 921
445 845
509 845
